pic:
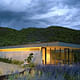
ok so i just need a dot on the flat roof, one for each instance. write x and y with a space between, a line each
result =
44 45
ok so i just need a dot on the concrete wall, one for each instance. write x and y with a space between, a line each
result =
21 55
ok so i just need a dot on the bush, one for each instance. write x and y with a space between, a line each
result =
17 62
7 60
29 59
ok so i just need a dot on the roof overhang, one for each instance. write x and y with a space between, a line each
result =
44 45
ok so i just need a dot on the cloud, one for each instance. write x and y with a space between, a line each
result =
39 13
15 6
53 12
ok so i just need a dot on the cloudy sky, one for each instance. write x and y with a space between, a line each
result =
20 14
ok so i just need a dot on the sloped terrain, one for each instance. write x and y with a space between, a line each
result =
32 35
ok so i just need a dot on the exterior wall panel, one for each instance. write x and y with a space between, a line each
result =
22 54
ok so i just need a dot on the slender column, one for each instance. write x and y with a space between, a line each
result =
41 56
60 54
43 50
68 56
50 56
65 56
55 55
72 54
45 55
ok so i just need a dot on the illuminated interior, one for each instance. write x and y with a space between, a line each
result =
21 49
48 56
43 55
59 55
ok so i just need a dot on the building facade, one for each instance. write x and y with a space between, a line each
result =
44 53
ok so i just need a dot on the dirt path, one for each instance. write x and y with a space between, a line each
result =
6 68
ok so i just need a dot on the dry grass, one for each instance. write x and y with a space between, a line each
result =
6 68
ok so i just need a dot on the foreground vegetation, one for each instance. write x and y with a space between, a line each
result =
10 36
44 72
49 73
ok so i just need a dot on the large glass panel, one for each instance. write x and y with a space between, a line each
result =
61 56
47 55
76 53
56 56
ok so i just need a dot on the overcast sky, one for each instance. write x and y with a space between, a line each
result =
20 14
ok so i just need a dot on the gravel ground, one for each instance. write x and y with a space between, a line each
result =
6 68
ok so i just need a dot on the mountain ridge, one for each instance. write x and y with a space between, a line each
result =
10 36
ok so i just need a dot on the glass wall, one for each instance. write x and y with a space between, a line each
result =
76 53
65 56
60 55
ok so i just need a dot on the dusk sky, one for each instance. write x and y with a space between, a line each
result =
20 14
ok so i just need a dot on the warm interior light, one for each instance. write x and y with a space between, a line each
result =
43 55
48 55
21 49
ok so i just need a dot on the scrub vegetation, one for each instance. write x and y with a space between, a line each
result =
29 58
65 72
10 36
29 61
7 60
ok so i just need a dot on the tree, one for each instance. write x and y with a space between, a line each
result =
29 59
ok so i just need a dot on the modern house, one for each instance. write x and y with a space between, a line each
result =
44 53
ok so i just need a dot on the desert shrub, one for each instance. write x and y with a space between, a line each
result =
7 60
17 62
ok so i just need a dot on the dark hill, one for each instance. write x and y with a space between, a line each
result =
14 37
8 36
